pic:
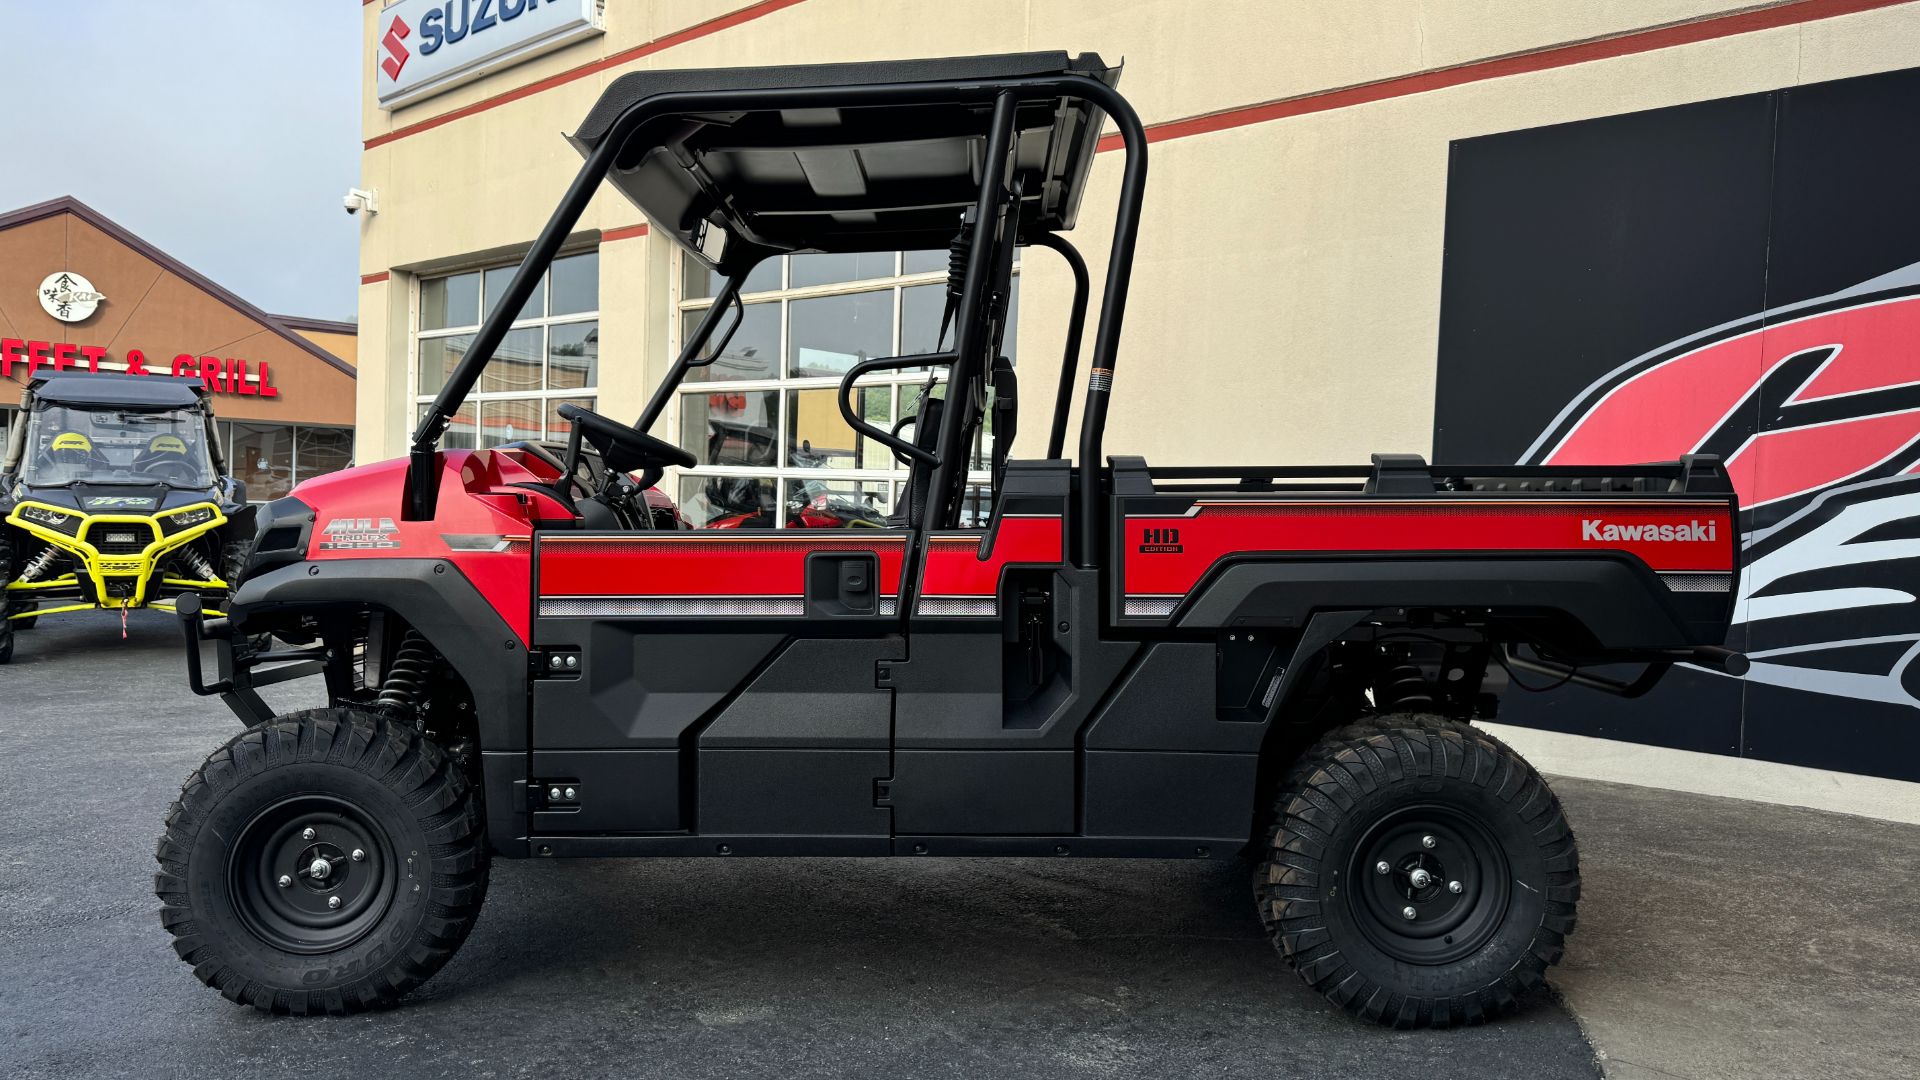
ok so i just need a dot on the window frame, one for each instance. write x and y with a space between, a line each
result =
781 472
547 394
229 441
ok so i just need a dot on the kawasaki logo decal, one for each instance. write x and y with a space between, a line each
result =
1595 529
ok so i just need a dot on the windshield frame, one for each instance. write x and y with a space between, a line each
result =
120 440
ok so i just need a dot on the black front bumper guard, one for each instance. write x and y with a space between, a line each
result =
237 663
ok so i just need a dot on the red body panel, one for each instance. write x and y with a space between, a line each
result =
1159 565
729 564
954 566
475 502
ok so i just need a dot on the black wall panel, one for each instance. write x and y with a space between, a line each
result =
1781 228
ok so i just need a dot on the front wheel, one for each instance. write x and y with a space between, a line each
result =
328 861
1418 873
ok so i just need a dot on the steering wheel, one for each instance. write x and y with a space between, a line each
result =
621 447
182 471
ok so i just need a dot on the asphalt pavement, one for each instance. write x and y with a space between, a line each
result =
636 968
1717 938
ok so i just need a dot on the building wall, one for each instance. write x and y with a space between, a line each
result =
161 311
343 345
1285 300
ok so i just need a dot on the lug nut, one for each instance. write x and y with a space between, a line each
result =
333 904
1455 887
358 855
1427 841
285 882
1408 911
307 834
1381 867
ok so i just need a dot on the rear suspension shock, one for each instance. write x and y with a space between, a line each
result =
1406 689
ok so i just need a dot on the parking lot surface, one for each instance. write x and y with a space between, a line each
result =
681 968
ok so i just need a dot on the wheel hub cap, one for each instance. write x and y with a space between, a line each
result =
329 899
1445 889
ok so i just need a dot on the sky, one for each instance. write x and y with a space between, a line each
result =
224 132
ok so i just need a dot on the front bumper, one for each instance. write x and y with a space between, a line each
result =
116 556
236 662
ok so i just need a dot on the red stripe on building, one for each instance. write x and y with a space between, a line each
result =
624 232
1559 56
660 44
373 279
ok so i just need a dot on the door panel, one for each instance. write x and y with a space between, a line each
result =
767 641
983 792
969 758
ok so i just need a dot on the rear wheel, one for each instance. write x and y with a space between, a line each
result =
1418 872
20 606
326 861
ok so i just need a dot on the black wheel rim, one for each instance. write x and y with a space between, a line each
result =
1428 884
295 880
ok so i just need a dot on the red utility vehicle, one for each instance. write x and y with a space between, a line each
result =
1120 660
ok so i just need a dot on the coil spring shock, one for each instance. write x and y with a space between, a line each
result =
39 564
406 681
197 563
1405 688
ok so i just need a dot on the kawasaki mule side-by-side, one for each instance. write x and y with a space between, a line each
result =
114 494
1120 660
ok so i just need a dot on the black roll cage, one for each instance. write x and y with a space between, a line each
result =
965 360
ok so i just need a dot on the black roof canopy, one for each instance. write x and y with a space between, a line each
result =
123 391
892 168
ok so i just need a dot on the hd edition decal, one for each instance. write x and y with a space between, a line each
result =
1740 278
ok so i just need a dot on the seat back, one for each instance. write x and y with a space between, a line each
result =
1006 416
926 436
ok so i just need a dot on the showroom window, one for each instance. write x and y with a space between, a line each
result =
271 458
763 421
549 358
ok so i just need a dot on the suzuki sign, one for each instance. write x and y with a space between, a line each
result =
426 46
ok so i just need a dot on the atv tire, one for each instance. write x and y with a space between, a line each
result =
7 626
1480 883
259 882
233 562
28 622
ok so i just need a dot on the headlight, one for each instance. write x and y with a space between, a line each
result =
185 519
52 519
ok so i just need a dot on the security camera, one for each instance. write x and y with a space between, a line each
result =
358 199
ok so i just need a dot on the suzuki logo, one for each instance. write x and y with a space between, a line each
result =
396 53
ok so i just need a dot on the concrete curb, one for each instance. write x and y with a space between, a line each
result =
1587 758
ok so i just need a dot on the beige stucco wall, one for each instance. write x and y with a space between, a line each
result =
344 346
1285 300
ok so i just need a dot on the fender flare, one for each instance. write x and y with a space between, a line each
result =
433 597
